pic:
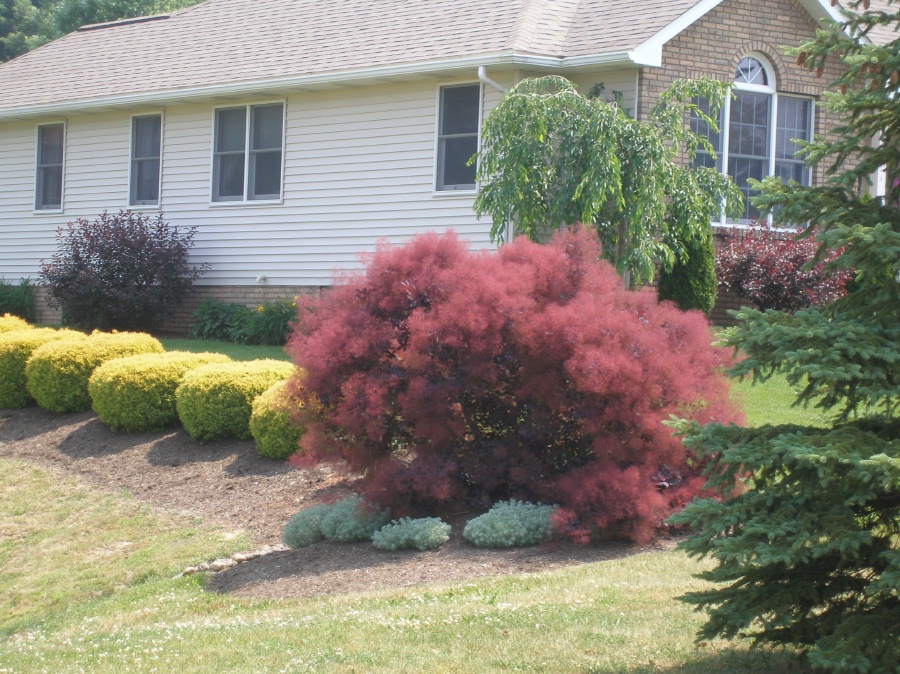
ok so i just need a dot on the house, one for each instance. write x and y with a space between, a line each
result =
294 134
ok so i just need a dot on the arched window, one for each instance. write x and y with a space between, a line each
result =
750 145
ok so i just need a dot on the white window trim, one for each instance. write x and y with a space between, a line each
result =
162 136
62 189
725 126
247 128
457 194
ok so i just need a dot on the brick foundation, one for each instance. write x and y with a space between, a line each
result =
180 322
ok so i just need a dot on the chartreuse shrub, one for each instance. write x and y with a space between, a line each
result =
8 323
424 533
348 521
511 524
214 401
58 372
137 393
455 379
806 551
16 348
270 423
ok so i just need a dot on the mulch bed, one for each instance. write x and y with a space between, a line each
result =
228 484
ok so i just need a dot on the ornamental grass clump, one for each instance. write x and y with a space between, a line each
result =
424 533
58 372
353 520
214 401
454 379
137 393
16 348
270 423
511 524
9 323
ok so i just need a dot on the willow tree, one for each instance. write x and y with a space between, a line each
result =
809 555
551 157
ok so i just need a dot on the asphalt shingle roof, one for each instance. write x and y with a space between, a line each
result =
232 41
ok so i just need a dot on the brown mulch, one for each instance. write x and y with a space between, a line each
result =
228 484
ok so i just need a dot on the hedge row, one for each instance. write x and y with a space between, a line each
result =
133 385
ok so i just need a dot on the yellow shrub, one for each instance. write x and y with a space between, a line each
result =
8 323
137 393
214 401
270 423
58 372
16 348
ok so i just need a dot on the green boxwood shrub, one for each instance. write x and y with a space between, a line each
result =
510 524
16 348
8 323
137 393
214 401
270 423
58 372
305 528
426 533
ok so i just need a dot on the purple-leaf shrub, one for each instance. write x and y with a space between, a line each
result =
775 270
454 379
124 271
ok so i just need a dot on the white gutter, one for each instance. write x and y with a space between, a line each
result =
482 75
340 77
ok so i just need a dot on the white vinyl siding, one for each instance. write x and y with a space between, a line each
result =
358 167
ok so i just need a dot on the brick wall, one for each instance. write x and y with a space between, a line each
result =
714 45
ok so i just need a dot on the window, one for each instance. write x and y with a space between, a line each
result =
146 143
254 175
48 188
750 145
458 121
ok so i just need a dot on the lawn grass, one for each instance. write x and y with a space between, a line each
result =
230 349
88 586
771 403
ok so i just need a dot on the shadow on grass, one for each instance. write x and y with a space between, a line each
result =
726 661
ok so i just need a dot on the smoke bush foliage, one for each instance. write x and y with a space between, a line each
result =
125 271
456 379
776 270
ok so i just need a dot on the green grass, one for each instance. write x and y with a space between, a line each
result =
234 351
771 403
87 586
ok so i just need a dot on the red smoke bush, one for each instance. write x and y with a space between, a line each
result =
455 379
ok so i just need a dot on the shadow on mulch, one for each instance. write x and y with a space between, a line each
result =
30 422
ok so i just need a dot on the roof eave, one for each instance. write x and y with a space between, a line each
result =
162 97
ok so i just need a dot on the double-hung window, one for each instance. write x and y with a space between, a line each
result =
146 144
758 139
48 184
248 148
458 120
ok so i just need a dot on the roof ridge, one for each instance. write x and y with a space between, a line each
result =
122 22
551 20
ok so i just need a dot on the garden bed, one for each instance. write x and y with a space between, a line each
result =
227 483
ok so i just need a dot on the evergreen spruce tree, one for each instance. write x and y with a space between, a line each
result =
805 529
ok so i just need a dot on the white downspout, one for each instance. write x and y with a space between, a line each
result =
482 75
